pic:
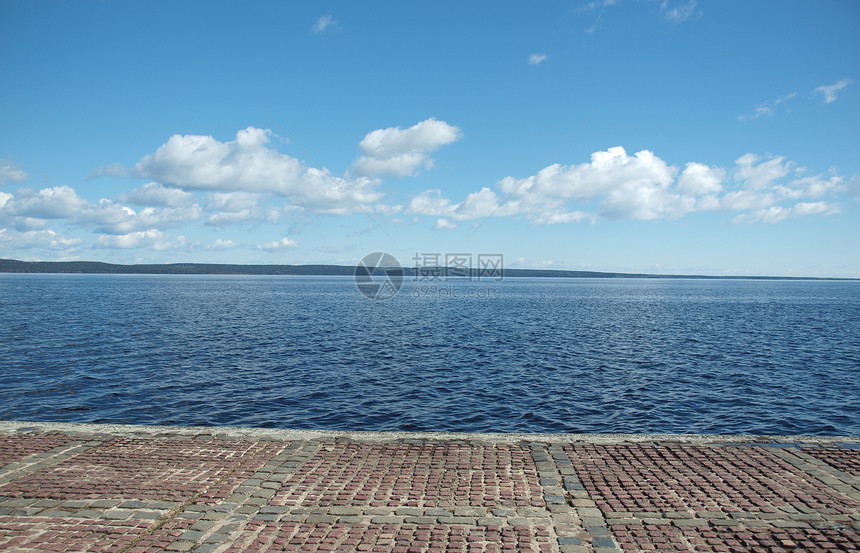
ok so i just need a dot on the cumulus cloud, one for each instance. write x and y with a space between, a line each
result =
758 173
222 219
276 245
153 239
230 208
220 244
112 218
247 164
444 224
635 187
536 59
398 152
32 209
46 238
831 92
325 23
616 185
231 201
9 172
776 213
58 202
699 179
154 194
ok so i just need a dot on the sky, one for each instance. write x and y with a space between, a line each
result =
661 136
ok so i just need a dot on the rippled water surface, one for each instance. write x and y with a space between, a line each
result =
537 355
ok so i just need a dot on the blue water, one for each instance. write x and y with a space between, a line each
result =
536 355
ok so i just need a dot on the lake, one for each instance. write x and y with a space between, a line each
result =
520 355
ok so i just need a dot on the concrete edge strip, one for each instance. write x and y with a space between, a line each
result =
285 434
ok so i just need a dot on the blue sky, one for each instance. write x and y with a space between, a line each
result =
658 136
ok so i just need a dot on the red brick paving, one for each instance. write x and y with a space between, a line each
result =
167 469
846 460
415 475
32 534
645 478
161 538
395 538
58 534
243 472
15 448
736 539
410 496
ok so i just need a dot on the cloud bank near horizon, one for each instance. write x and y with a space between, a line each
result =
246 181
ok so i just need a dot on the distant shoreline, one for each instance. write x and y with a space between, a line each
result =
97 267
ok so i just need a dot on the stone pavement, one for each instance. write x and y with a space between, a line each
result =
66 487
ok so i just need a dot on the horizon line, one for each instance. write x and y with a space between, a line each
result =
15 266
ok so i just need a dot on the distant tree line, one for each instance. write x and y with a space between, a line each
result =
96 267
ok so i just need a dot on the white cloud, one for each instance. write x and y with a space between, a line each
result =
430 202
599 6
700 180
112 218
831 92
398 152
775 214
616 185
758 173
225 218
815 186
444 224
153 239
809 208
231 201
626 186
9 172
195 162
323 24
536 59
155 194
276 245
766 109
230 208
678 13
31 209
112 170
36 239
59 202
220 244
673 11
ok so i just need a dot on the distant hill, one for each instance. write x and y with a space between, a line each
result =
96 267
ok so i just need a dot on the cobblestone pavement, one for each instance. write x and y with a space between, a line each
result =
67 487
